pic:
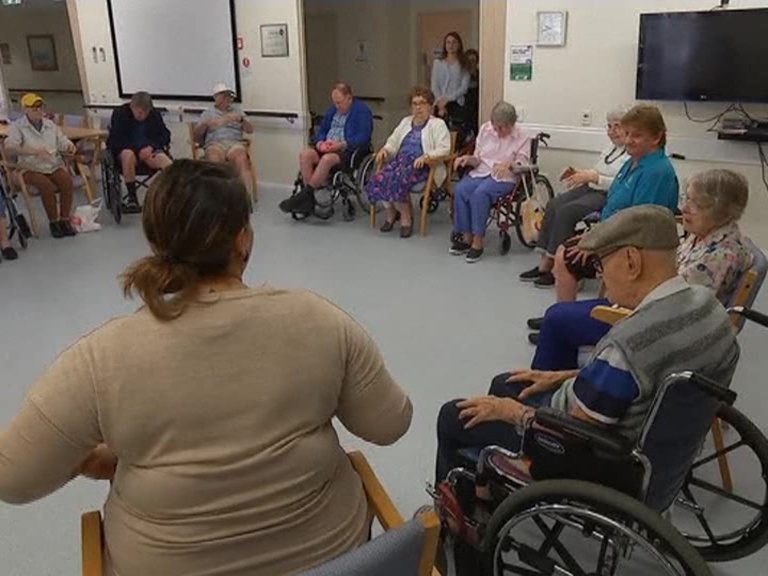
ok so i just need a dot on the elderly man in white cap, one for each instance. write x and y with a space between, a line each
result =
221 129
675 327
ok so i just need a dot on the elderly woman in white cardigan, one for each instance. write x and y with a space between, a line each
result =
416 139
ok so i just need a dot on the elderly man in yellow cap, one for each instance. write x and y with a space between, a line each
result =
675 327
221 129
39 145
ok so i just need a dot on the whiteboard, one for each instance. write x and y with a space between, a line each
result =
174 49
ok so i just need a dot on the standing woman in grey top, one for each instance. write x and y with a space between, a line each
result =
450 79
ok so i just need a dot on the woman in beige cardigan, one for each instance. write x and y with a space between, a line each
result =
212 405
416 139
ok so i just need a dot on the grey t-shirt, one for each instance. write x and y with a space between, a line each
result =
229 132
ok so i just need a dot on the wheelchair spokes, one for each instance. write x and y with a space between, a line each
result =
727 525
583 531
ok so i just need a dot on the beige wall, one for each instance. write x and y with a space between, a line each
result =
16 22
596 71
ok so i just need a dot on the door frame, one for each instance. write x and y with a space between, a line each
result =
493 32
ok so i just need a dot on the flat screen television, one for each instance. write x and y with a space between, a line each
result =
718 56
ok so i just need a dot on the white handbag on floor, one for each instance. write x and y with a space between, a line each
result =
85 217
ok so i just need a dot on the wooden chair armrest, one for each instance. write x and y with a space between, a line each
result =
92 544
610 314
437 160
378 499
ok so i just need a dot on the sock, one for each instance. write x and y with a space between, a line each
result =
131 186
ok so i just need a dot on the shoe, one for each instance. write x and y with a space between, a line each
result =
535 323
387 226
533 338
131 204
459 247
474 255
56 231
546 280
300 203
531 275
9 253
66 228
406 231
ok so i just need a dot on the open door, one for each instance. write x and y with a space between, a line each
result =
432 28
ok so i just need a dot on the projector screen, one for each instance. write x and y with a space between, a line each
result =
174 49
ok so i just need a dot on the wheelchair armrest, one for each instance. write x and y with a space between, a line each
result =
524 169
600 436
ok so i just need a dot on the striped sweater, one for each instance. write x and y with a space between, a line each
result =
679 327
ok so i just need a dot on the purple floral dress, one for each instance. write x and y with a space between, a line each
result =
394 182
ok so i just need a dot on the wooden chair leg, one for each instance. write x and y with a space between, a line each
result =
86 182
34 223
425 202
722 459
373 215
92 544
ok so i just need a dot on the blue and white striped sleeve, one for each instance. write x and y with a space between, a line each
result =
605 388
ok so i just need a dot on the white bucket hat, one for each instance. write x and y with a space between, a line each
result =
221 87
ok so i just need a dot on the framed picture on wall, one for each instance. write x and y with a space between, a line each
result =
5 53
42 52
274 40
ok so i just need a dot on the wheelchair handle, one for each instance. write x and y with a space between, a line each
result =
749 314
543 137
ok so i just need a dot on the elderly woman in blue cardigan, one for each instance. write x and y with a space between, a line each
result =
346 127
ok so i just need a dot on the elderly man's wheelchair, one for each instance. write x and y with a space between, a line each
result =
527 200
16 221
346 182
523 513
112 178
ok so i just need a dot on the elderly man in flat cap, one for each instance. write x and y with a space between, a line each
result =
675 327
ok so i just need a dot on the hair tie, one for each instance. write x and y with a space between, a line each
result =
170 260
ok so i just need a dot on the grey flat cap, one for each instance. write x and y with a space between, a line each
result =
648 226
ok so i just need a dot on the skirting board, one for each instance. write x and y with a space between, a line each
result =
708 149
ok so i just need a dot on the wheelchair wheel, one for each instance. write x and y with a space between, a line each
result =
110 187
573 527
721 525
505 242
542 193
23 230
364 174
348 210
23 225
434 203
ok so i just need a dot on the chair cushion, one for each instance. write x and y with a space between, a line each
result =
396 551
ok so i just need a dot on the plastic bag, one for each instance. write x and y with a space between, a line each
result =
85 218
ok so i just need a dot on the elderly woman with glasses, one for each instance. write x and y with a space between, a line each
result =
712 255
500 146
417 139
587 192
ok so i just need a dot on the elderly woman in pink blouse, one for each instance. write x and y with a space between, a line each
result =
500 146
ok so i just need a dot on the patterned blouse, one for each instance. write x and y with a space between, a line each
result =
716 261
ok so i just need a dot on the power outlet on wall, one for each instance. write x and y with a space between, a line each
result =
521 114
586 118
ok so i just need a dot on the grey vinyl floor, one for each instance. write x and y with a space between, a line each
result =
444 326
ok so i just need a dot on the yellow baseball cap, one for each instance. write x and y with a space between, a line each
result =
30 99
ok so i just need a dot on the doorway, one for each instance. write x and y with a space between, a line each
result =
322 58
432 28
37 54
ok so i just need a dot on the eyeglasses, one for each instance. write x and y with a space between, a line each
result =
596 260
419 103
